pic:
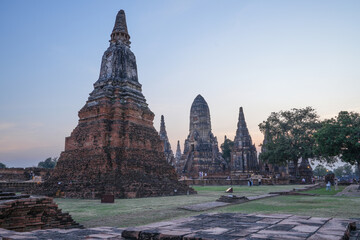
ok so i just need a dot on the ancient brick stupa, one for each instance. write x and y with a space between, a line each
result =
243 155
115 148
201 151
169 155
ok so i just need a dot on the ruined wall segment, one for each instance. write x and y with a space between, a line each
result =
24 213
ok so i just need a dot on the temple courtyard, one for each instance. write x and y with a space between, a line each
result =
140 211
311 214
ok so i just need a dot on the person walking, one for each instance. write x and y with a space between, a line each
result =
328 186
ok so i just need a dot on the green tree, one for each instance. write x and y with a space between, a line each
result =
289 136
339 171
2 165
320 171
49 163
340 137
226 149
348 170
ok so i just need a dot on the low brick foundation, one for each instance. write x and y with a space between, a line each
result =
17 186
26 213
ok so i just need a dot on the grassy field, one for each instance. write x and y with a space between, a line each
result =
132 212
323 205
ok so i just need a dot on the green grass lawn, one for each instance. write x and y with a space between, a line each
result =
323 205
132 212
216 191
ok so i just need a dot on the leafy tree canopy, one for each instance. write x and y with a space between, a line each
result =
49 163
289 136
345 170
226 149
340 137
2 165
320 171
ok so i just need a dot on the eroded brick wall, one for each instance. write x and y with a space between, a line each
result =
26 213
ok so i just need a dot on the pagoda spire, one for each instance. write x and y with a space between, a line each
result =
241 123
243 154
178 151
167 147
162 125
242 137
120 32
163 136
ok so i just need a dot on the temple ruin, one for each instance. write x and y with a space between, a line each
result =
169 155
243 154
178 153
201 151
115 148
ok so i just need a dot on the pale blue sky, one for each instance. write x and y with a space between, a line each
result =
263 55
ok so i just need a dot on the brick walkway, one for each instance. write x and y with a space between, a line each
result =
224 226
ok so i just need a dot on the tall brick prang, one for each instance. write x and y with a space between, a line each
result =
201 151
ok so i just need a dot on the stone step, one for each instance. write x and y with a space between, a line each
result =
10 197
